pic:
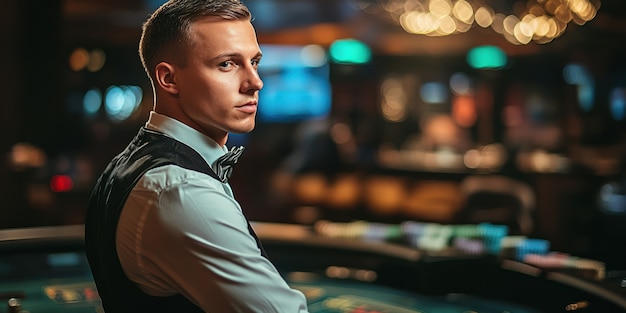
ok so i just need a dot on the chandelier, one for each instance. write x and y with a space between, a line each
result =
539 21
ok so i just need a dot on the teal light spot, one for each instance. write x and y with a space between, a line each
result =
350 51
486 57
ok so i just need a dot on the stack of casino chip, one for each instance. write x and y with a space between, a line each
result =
338 230
358 229
558 260
549 260
531 246
412 232
492 235
392 231
468 239
598 268
508 246
382 232
471 239
427 236
467 231
469 245
436 237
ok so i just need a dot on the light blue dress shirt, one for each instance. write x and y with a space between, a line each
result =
182 231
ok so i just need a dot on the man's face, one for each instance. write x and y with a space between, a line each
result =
219 83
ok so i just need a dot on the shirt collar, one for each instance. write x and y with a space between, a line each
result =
208 148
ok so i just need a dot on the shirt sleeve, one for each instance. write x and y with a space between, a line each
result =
195 241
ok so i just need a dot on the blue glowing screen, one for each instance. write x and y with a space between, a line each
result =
296 83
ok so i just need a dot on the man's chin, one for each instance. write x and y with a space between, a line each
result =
243 130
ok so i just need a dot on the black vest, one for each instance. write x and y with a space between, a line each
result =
146 151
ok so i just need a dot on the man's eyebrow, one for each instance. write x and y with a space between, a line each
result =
226 55
235 55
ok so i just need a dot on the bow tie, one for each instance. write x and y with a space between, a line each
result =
223 166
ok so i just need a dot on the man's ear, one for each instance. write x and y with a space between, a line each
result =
164 74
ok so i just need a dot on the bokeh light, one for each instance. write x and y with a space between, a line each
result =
61 183
579 76
540 22
122 101
350 51
434 92
82 59
92 101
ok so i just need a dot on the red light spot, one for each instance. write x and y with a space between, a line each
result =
61 183
90 294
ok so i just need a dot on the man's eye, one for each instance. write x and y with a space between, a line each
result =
226 64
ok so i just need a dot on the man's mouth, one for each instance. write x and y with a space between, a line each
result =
249 107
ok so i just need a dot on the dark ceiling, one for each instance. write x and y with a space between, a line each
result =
117 22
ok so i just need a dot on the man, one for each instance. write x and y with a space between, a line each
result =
163 231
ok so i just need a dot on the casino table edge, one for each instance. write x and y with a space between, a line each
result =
301 235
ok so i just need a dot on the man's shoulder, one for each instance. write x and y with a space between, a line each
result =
174 176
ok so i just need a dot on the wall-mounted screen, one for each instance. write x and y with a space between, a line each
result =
296 83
